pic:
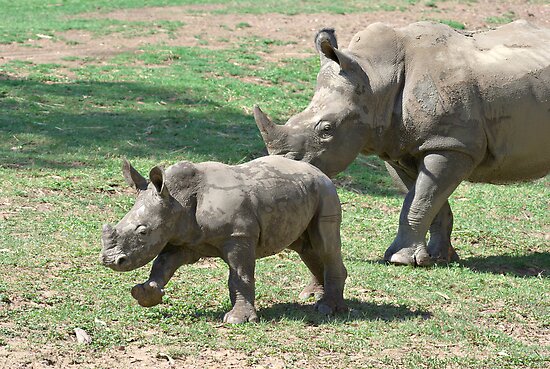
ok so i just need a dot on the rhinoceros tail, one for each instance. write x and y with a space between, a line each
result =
324 35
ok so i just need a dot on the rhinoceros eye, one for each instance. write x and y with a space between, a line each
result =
141 229
324 128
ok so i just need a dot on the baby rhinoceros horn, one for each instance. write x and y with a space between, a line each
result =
108 236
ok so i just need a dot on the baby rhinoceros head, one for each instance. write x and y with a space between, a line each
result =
147 228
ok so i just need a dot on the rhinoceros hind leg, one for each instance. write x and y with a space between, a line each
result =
315 265
239 254
439 246
324 235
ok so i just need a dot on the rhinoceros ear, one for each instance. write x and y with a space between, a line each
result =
157 177
132 176
326 45
328 37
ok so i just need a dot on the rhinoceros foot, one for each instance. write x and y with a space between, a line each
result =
147 294
314 289
443 254
418 256
327 306
239 315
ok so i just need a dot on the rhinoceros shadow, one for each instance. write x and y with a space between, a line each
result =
532 265
358 311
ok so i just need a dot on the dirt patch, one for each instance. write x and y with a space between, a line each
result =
292 35
123 357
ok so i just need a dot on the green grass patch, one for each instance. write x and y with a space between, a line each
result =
62 138
507 17
452 23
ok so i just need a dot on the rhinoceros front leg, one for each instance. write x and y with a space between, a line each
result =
239 254
439 245
165 265
438 176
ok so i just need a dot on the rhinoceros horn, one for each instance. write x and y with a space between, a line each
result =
266 126
108 236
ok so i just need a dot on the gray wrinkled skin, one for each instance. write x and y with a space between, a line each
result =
438 106
238 213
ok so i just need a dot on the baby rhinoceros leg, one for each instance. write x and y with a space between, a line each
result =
239 254
311 258
322 255
165 265
148 294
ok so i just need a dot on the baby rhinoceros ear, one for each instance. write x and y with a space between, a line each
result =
157 177
132 176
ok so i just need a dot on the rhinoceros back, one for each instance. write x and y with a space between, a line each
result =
487 95
512 69
286 195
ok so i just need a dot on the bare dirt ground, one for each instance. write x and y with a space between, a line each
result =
202 29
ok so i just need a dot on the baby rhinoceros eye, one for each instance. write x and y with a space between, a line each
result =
141 229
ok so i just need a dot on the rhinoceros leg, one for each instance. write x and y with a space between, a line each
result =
438 176
311 259
239 254
165 265
439 245
325 251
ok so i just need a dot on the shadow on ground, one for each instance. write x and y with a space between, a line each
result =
83 123
358 311
532 265
43 122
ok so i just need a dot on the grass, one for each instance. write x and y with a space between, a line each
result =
452 23
63 132
507 17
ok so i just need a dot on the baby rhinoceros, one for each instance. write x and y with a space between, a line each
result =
239 213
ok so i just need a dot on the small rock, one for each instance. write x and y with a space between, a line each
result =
82 336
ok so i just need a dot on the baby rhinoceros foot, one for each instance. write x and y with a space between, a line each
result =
330 307
148 294
239 315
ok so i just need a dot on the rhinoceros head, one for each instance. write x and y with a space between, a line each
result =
146 229
331 131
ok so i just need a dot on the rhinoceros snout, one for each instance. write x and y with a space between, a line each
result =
120 261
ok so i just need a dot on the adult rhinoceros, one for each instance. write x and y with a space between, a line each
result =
439 106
